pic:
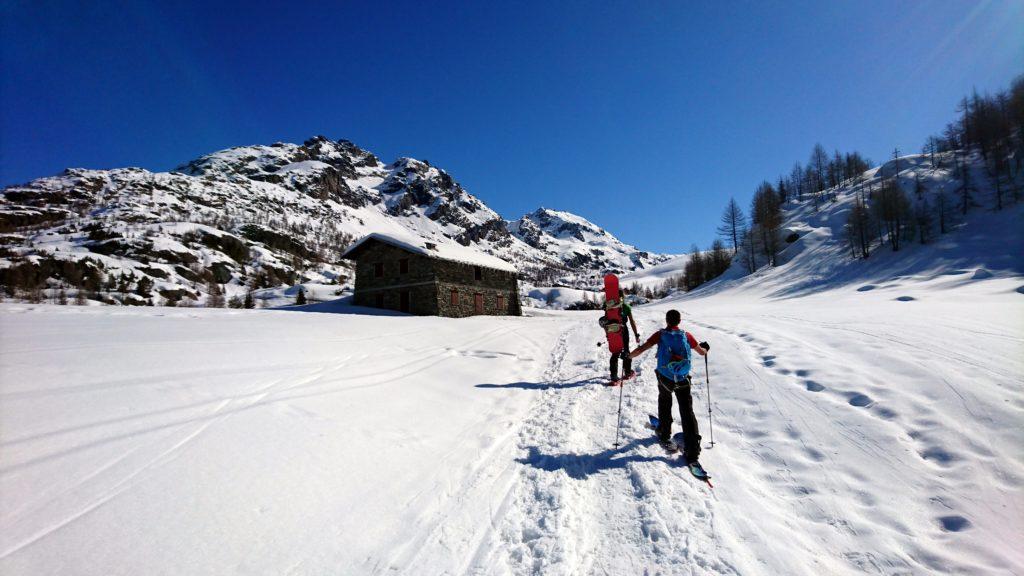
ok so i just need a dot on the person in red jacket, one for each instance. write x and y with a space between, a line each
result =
673 358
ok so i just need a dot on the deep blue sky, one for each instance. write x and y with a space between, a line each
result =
643 116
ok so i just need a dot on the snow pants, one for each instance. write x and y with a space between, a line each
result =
627 362
691 434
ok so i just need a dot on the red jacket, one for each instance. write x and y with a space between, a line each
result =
657 335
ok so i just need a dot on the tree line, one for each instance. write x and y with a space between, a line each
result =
757 240
897 209
993 127
989 127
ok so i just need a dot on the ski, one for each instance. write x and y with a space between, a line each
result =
697 471
695 468
670 446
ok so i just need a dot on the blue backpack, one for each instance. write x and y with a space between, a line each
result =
674 355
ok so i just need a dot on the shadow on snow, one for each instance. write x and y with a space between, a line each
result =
543 385
340 306
582 466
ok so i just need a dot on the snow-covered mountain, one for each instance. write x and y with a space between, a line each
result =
579 243
957 247
270 215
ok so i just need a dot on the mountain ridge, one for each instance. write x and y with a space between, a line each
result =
259 216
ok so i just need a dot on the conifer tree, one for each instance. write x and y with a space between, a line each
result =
733 224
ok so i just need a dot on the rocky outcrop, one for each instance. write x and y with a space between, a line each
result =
258 215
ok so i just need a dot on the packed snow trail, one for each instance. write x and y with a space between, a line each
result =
852 444
583 507
847 443
850 439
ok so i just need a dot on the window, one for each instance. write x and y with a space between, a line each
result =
378 300
403 266
501 302
378 269
455 298
478 303
478 273
404 304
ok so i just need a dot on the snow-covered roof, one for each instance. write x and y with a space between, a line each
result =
442 249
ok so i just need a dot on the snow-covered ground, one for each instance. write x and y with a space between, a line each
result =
655 276
559 298
199 441
855 432
869 418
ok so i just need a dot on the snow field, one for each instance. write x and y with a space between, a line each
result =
855 432
166 441
885 430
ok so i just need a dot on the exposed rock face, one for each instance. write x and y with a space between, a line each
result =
263 215
580 244
495 231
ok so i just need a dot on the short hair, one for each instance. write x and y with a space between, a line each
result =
672 317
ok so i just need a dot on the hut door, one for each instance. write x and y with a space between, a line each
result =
403 301
478 303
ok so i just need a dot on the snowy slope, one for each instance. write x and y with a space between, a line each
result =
559 298
984 243
580 244
655 276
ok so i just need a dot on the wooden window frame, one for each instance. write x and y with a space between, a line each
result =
478 273
454 297
501 302
403 266
478 303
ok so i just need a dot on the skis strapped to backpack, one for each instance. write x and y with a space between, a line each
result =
612 320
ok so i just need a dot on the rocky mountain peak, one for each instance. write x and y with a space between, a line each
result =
262 215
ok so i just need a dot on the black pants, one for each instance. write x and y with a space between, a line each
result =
627 362
691 435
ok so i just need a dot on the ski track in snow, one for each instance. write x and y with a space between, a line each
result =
584 507
798 441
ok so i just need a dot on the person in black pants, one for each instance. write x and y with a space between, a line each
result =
627 361
688 420
671 336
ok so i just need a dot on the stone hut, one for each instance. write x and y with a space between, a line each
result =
432 278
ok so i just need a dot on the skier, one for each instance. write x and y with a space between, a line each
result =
673 372
627 359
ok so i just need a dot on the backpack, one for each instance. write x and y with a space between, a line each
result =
608 324
674 355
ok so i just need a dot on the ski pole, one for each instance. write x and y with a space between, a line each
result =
618 424
707 379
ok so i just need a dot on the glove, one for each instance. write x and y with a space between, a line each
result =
637 338
705 346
